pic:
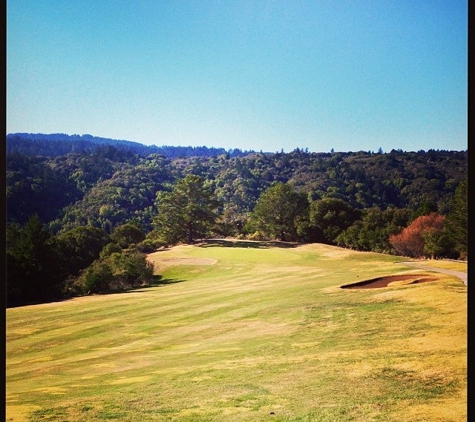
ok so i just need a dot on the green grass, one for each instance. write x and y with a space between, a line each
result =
246 334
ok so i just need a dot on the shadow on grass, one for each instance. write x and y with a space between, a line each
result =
157 281
255 244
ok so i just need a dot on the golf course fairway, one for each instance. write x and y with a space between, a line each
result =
247 331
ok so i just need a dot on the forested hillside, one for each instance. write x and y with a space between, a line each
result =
53 145
121 201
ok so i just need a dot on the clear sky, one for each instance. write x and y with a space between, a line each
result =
250 74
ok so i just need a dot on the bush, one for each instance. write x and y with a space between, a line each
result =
96 278
118 271
257 235
131 268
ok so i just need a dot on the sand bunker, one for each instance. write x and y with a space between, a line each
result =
384 281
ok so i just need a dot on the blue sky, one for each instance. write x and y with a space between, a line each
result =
251 74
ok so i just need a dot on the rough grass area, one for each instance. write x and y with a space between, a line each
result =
445 264
247 331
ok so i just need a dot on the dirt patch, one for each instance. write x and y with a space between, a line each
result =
384 281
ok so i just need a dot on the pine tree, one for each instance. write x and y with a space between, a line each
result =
279 211
185 213
457 220
34 270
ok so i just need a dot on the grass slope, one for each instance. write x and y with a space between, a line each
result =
246 332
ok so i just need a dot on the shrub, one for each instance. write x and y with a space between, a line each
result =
118 271
131 268
96 278
257 235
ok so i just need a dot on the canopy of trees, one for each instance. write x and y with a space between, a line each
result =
424 237
81 246
332 216
57 144
87 209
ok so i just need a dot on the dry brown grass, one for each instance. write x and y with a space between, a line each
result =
259 331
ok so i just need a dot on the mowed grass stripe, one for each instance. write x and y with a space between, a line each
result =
260 330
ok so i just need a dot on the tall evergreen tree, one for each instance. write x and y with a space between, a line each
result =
279 211
34 270
185 213
457 220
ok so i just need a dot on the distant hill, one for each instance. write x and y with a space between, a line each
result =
70 201
56 144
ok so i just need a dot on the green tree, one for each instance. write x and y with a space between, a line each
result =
34 270
425 208
127 234
185 213
231 221
372 232
437 243
457 219
81 245
332 216
280 211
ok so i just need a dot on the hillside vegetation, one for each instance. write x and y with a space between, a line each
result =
56 144
246 331
112 184
82 210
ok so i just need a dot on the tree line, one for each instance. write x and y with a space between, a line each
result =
82 223
56 144
188 212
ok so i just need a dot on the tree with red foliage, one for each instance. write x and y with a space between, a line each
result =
424 237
